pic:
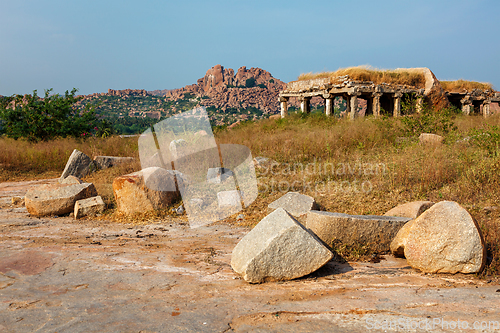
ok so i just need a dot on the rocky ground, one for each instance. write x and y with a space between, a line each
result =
65 275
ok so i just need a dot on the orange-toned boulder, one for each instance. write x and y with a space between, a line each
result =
152 188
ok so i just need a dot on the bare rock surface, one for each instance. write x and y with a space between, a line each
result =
89 207
57 199
445 239
78 165
374 233
410 209
104 162
149 189
66 275
278 248
294 203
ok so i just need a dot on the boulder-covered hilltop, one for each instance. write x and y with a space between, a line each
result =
224 89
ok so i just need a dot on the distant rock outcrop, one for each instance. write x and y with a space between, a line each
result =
252 87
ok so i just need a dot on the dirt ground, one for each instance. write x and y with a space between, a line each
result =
66 275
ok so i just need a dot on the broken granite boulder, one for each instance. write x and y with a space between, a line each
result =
294 203
57 199
152 188
410 209
78 165
278 248
89 207
373 233
444 239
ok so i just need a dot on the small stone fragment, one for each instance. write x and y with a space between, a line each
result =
294 203
89 207
410 209
431 139
71 180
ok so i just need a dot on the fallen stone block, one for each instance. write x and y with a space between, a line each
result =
444 239
410 209
89 207
152 188
71 180
294 203
218 175
374 233
278 248
78 165
57 199
431 139
104 162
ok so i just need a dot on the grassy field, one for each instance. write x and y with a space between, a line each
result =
366 166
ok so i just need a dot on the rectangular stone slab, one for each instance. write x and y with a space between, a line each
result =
374 232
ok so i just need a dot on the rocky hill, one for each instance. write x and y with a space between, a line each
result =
223 89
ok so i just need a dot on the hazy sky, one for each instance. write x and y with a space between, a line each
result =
96 45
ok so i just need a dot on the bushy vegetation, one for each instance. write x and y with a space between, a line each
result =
462 85
45 118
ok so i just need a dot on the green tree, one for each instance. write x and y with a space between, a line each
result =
36 118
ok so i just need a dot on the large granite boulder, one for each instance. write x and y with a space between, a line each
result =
152 188
278 248
375 233
294 203
78 165
57 199
444 239
410 209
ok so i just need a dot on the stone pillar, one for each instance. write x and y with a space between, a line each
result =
466 105
284 106
352 103
397 104
420 104
486 108
305 106
376 104
328 104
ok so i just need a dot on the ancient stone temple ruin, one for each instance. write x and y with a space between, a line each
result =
384 98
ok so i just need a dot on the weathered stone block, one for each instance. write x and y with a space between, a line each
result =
410 209
294 203
431 139
78 165
57 199
278 248
445 239
104 162
89 207
149 189
227 199
71 180
373 232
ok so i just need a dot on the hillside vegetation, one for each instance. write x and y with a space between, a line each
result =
366 166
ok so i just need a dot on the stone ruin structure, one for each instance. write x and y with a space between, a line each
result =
384 98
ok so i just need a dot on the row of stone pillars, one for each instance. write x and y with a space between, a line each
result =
468 106
352 104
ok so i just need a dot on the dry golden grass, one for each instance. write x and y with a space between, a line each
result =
462 85
377 76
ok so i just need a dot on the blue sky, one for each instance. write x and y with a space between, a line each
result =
96 45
